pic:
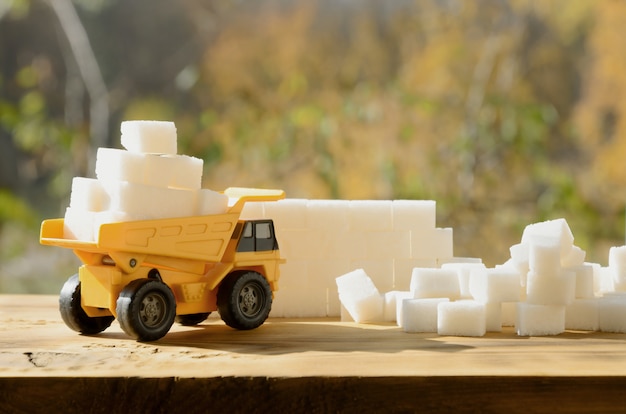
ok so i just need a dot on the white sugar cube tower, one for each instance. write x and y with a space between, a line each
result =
147 180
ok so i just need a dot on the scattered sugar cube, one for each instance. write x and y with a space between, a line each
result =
539 320
575 257
495 285
557 229
583 315
88 195
617 266
493 317
584 281
461 318
400 296
612 312
420 315
509 313
559 289
150 137
360 297
463 271
544 255
435 283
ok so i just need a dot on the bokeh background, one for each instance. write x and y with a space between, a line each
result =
506 112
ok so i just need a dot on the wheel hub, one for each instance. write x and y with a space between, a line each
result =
152 310
249 300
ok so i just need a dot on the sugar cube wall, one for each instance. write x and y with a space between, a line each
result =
358 234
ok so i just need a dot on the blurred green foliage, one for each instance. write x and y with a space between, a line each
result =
506 113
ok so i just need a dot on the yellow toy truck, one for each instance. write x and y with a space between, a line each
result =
149 273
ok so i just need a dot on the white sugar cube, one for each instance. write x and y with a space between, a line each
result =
187 171
493 317
555 229
509 313
253 210
360 297
583 315
413 214
399 297
612 313
463 271
575 257
330 215
88 195
392 298
544 255
420 315
617 266
288 214
152 137
105 217
495 285
148 202
119 165
584 281
559 289
461 318
435 283
78 224
211 202
370 215
159 170
539 320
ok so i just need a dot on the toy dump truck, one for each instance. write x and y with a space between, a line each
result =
149 273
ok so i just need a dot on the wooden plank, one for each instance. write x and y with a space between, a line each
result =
295 364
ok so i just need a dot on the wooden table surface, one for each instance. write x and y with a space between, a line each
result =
321 364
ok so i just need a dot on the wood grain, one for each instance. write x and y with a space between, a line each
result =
291 365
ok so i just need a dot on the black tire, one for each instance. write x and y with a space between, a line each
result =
192 319
244 300
146 309
73 313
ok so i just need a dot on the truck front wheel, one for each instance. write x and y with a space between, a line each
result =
73 314
244 300
146 309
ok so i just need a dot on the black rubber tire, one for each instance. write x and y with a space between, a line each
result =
244 300
146 309
192 319
73 314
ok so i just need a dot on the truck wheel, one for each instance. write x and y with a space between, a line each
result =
73 314
192 319
244 300
146 309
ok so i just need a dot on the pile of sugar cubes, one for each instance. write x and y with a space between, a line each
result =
146 180
545 288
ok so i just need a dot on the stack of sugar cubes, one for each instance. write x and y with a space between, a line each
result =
147 180
545 288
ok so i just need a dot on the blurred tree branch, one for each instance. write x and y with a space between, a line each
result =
90 73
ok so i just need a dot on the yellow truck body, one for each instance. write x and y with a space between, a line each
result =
192 256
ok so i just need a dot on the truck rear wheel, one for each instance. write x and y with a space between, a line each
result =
146 309
192 319
73 313
244 300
